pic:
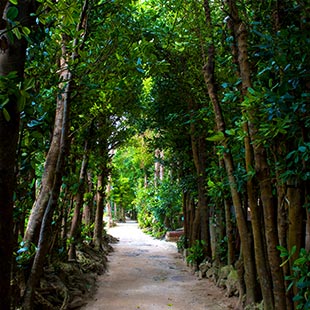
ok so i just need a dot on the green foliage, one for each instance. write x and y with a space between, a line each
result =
195 253
159 206
25 254
181 243
86 233
300 275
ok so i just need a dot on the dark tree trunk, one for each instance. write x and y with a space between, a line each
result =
245 236
231 252
98 231
12 58
43 222
37 212
261 164
199 149
38 209
88 213
46 231
75 230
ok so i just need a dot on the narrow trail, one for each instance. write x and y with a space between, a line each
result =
148 274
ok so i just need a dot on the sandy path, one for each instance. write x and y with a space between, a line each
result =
148 274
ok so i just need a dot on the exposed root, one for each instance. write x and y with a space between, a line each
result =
67 285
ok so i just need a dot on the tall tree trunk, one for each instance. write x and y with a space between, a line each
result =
261 165
260 250
78 205
38 209
257 227
245 236
46 230
282 218
199 148
296 216
231 253
98 231
44 223
88 212
185 210
12 59
109 207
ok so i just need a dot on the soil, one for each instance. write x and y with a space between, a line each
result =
147 274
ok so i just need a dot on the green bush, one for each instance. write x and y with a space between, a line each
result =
195 256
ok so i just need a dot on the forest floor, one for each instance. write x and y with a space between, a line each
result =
148 274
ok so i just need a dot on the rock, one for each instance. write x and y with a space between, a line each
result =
212 274
223 274
203 268
232 284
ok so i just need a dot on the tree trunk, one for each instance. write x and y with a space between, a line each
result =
53 178
261 165
296 217
46 231
38 209
282 221
257 227
12 59
231 253
185 210
245 236
199 148
88 213
75 232
97 239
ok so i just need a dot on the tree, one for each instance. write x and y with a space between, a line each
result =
14 27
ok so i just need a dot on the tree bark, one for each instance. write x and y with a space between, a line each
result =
97 238
38 209
46 231
257 227
12 59
261 165
78 202
54 178
199 148
245 236
88 213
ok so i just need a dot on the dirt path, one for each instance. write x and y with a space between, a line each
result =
149 274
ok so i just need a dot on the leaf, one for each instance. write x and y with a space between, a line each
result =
140 70
219 136
251 91
12 13
303 284
14 2
302 149
230 132
289 155
5 102
23 249
6 114
17 33
300 261
283 250
26 31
